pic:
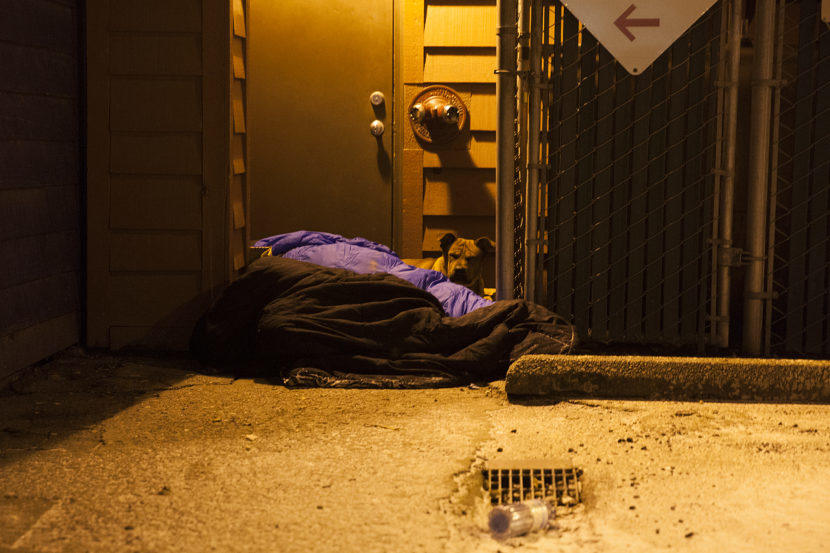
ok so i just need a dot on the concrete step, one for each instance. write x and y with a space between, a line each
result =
711 378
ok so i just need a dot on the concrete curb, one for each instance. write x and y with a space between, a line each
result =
778 380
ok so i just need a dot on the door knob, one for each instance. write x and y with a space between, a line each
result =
376 128
377 98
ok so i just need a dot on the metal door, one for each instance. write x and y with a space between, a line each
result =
313 162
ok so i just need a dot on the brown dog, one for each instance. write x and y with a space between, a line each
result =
461 261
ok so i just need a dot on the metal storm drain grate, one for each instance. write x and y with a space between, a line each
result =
524 480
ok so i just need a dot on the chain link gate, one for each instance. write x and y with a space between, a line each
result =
519 199
631 238
798 261
629 190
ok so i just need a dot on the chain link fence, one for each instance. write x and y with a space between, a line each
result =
798 317
518 215
629 199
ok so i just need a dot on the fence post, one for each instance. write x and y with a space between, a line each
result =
506 98
758 176
727 198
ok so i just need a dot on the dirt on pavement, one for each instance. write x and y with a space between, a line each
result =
109 453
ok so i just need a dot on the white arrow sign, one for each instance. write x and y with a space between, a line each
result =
636 32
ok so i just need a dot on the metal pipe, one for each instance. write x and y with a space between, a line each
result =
758 175
522 83
506 99
520 160
727 199
544 142
533 131
544 84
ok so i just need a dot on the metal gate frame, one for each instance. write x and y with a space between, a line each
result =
564 78
685 139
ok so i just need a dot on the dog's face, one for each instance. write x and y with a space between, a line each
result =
463 259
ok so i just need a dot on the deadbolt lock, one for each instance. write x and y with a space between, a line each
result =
437 114
377 98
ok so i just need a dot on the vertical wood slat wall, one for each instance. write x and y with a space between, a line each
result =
451 188
158 167
239 190
40 188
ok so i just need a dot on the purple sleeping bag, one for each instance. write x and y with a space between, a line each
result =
362 256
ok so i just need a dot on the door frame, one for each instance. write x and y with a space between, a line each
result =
403 215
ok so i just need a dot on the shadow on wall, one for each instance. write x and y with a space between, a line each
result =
170 332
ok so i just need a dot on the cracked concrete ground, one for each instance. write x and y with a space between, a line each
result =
102 453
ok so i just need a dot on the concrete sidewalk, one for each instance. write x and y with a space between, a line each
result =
123 454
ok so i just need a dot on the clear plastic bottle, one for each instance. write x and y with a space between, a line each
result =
517 519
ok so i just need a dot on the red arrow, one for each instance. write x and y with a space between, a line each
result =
623 22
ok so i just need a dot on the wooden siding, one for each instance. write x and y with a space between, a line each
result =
460 192
458 24
239 196
158 167
40 190
449 188
460 65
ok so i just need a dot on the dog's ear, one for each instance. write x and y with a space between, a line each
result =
486 245
447 241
